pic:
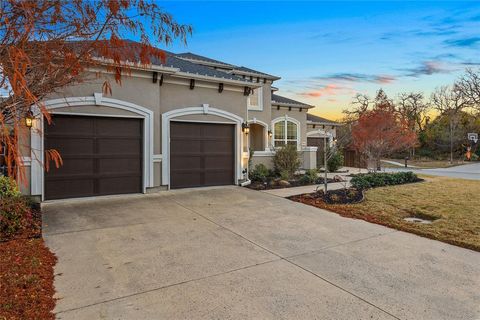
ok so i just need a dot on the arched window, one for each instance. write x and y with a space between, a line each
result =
285 132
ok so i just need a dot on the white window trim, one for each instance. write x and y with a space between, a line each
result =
285 119
260 101
37 143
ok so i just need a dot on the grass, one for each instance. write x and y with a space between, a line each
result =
454 204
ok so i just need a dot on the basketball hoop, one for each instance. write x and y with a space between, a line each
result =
473 137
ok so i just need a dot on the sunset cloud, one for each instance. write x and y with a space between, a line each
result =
357 77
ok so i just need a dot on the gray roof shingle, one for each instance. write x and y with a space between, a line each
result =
317 119
196 57
279 100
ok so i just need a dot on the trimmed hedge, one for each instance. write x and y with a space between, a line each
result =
381 179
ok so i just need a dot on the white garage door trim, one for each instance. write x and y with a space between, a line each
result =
204 109
37 145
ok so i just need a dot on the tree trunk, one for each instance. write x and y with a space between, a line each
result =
451 140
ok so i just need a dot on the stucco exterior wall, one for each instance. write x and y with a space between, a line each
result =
266 114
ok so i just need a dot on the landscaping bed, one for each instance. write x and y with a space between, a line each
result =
440 208
26 264
278 183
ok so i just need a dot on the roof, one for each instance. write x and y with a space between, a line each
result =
282 101
197 69
199 58
187 64
319 120
252 72
195 58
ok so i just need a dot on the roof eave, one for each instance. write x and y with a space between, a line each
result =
293 105
188 75
256 75
324 123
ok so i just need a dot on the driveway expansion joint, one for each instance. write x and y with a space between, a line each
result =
297 265
167 286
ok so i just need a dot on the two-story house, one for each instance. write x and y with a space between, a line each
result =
188 121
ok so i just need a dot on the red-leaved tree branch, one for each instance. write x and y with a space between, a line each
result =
382 131
46 45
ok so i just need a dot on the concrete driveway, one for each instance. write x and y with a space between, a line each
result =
234 253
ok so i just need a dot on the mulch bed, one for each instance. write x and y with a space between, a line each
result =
258 185
26 274
341 196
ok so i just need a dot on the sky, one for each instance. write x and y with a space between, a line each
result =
326 52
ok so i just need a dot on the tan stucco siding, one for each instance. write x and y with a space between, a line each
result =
203 118
266 114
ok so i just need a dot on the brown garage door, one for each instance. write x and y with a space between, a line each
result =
101 156
201 154
317 142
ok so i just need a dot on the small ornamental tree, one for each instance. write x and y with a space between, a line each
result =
382 131
49 44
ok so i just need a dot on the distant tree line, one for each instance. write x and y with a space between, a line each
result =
414 125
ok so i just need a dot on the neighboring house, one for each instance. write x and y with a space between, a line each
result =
188 122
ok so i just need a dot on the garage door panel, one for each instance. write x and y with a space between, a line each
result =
219 162
187 161
73 166
100 156
119 185
184 146
201 154
75 126
70 146
218 146
118 166
216 178
119 146
69 188
110 127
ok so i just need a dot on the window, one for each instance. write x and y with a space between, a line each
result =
285 132
255 100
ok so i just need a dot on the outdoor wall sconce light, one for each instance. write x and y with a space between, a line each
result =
314 126
220 87
192 84
155 77
29 119
270 133
245 128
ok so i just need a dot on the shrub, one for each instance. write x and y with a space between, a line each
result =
372 180
15 214
286 161
335 161
310 176
305 179
284 175
259 173
8 188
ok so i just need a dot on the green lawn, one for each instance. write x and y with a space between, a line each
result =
454 203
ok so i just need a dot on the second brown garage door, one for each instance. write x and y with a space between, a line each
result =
201 154
101 156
